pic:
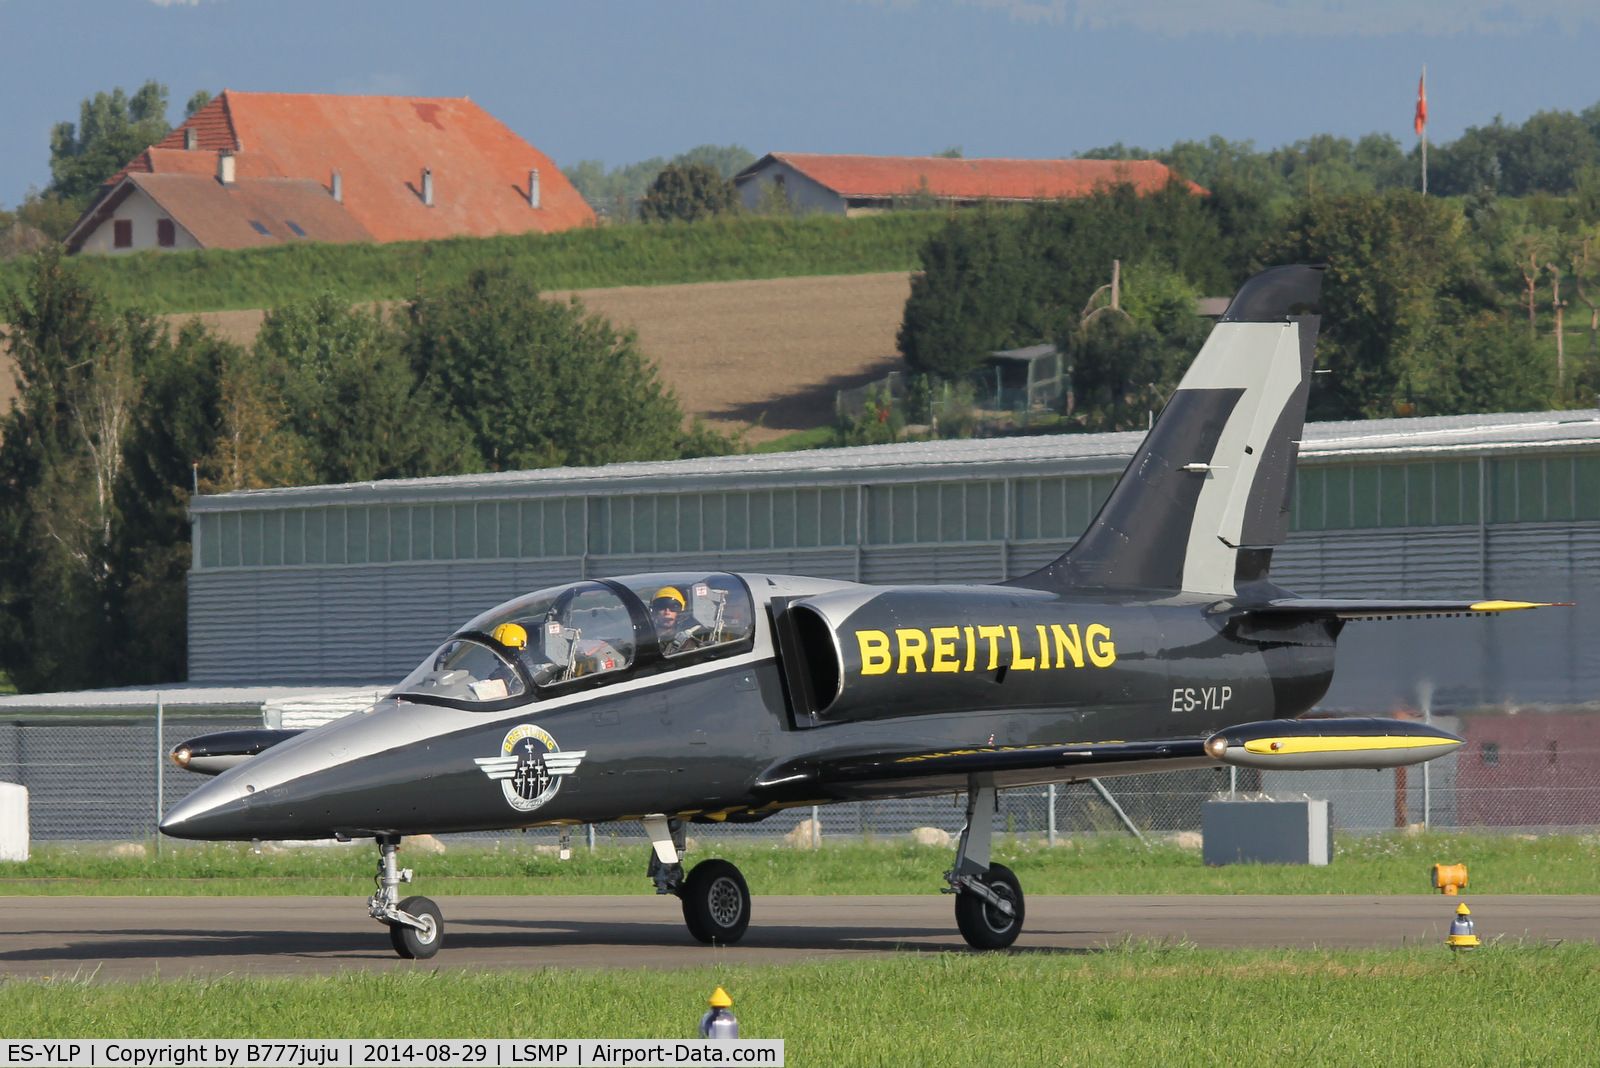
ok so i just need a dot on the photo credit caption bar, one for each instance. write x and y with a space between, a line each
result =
347 1053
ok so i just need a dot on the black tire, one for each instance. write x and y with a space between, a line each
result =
716 903
411 943
983 925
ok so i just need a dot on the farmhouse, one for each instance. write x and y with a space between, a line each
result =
263 168
858 185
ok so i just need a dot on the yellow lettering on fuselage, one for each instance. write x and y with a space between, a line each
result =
1067 644
944 649
1018 661
1102 653
874 651
993 634
913 647
953 650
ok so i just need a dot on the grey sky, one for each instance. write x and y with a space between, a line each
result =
621 80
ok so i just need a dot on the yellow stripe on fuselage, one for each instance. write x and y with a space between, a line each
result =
1286 746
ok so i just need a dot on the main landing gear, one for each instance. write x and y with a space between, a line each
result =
416 929
716 901
989 904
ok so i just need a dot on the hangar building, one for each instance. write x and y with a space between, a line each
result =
356 583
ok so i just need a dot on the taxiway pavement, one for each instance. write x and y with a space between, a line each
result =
133 937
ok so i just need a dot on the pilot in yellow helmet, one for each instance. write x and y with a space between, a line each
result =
666 606
510 635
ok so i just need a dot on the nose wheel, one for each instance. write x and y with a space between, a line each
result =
416 927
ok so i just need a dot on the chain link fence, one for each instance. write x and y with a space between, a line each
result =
108 779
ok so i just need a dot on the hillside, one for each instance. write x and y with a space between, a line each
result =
714 250
733 351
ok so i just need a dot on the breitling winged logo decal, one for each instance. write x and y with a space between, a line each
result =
530 766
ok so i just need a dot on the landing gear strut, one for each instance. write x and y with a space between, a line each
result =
716 901
989 904
416 928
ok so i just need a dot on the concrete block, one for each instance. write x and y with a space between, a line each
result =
13 821
1266 832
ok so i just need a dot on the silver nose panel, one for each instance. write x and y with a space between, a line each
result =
216 811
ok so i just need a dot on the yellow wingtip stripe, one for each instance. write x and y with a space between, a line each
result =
1506 606
1286 746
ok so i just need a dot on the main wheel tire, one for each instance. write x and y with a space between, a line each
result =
411 943
716 903
983 925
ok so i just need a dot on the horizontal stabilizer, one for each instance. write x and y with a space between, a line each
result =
1329 744
1375 609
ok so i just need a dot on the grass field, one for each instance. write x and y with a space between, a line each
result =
1375 864
742 247
1130 1004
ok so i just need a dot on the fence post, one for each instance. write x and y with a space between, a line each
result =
816 828
1052 790
161 766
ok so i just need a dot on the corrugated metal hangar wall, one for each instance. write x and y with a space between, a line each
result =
358 583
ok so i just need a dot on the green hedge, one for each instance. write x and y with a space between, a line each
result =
658 254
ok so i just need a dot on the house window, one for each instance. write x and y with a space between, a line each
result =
295 227
122 233
261 228
166 233
1491 754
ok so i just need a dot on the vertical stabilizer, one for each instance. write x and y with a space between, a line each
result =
1207 495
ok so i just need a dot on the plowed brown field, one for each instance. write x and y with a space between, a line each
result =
773 350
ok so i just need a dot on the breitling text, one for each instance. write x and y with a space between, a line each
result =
985 648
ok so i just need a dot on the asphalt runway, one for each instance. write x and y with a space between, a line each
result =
133 937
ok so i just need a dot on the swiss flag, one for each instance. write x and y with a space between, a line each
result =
1422 105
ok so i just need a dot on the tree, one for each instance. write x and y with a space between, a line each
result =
1411 323
616 192
90 524
1004 278
689 192
539 383
112 129
1124 362
340 382
199 100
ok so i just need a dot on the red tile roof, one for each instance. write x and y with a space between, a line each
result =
380 144
972 179
221 216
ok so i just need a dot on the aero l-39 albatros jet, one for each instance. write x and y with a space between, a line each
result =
1157 642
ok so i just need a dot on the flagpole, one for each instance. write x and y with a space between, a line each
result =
1424 133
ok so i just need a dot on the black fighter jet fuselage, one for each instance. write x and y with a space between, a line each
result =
1157 642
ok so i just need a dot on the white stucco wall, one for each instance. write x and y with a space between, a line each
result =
143 212
803 192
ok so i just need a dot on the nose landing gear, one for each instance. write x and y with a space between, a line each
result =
416 927
989 902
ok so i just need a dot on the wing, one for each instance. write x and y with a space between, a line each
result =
1380 609
1283 744
1094 759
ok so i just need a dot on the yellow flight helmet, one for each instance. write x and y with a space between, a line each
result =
511 635
670 593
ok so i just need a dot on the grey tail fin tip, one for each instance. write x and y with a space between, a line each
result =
1208 493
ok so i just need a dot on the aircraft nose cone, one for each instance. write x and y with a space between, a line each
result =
215 812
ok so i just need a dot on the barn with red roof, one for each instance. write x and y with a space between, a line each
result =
266 168
856 185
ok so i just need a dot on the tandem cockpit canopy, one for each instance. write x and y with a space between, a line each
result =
586 634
